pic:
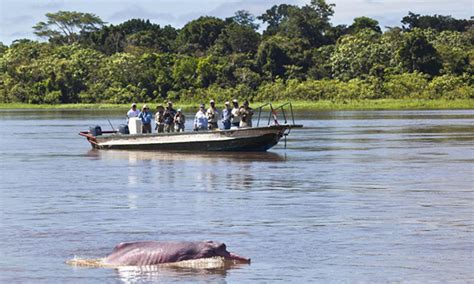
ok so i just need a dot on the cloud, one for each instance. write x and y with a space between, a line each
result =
136 11
390 12
256 7
48 5
19 35
16 20
181 20
18 16
16 26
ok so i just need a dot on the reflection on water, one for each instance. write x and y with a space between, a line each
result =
168 274
230 157
175 168
379 196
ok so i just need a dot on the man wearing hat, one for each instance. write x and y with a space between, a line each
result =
146 116
168 117
200 120
133 112
246 113
179 121
235 113
212 116
159 120
226 116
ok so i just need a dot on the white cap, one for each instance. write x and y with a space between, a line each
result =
212 101
179 110
227 103
235 101
134 105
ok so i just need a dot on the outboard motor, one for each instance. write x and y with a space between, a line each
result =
123 129
95 130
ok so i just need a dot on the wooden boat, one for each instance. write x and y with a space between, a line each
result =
252 139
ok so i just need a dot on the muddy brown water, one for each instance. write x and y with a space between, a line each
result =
356 196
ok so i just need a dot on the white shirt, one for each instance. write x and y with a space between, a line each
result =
200 120
133 113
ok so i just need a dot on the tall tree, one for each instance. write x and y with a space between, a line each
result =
361 23
417 54
198 35
273 17
309 22
273 56
436 22
64 26
244 18
356 55
236 38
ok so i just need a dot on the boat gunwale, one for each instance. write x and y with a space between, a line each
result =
115 135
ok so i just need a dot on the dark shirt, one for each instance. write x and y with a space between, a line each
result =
168 116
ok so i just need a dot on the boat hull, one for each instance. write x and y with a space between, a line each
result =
256 139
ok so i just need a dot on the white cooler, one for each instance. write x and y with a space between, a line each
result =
135 125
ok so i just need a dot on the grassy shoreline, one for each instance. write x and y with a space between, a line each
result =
381 104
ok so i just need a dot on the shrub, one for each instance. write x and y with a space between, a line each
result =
406 85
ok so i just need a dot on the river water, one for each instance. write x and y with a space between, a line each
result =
371 196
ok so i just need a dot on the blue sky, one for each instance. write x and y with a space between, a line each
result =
18 16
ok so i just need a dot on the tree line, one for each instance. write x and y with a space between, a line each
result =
298 55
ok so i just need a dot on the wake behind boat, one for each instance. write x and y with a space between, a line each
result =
249 139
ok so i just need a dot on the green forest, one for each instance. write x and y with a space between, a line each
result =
287 53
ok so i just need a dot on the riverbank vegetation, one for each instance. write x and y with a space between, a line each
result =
319 105
299 56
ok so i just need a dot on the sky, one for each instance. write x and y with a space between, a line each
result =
18 16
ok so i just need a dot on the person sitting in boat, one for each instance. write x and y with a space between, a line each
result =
179 121
159 120
226 116
200 120
235 113
246 113
212 116
168 117
133 112
146 116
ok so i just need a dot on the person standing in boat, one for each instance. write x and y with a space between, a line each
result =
226 116
212 116
246 113
159 120
168 117
146 116
133 112
235 113
200 120
179 121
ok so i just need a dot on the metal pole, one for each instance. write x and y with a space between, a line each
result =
284 116
292 116
259 112
271 113
111 125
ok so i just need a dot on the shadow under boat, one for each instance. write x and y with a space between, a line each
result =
140 155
